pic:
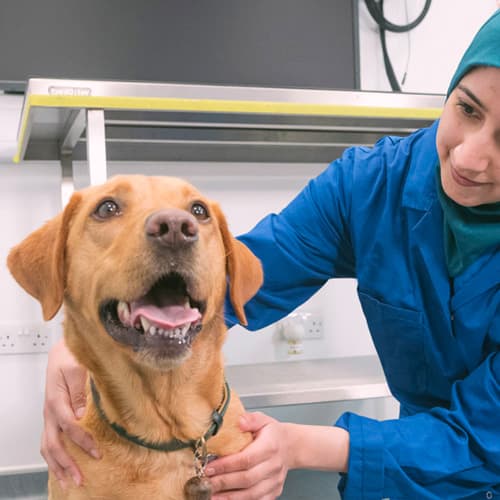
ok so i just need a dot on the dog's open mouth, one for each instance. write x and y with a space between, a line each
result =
166 318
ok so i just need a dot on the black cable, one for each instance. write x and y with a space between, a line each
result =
376 10
377 13
389 71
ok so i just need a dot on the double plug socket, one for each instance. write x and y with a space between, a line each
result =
24 338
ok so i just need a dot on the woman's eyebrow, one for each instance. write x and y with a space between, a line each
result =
472 96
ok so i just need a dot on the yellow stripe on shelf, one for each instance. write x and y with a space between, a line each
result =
228 106
220 106
22 131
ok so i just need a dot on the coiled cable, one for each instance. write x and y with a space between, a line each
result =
376 10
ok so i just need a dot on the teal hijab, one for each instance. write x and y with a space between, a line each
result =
468 231
472 231
484 50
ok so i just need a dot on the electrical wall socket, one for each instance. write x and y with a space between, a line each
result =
309 325
313 325
24 338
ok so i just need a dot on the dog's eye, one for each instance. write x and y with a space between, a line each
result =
200 211
107 209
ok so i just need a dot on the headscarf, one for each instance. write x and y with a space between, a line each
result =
484 50
470 232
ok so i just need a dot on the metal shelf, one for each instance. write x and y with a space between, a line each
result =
162 122
306 382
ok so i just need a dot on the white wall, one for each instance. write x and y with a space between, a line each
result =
429 54
29 194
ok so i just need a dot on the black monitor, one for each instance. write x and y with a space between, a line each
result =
268 43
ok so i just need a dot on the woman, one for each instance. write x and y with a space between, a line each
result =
416 221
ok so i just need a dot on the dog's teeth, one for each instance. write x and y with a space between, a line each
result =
178 333
123 312
146 325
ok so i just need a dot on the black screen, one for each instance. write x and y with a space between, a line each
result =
277 43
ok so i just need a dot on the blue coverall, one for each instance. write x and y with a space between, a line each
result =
374 215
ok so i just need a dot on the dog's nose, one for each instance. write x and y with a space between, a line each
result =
172 228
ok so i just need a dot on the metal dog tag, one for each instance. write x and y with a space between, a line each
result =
198 488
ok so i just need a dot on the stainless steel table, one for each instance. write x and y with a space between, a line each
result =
307 382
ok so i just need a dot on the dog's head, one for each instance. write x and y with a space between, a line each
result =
145 260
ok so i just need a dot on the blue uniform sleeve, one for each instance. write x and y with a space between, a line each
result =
443 453
303 246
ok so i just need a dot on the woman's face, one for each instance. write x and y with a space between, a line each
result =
468 139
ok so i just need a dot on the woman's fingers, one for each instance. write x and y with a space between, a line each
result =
265 490
258 471
261 482
75 377
241 461
255 421
58 461
64 401
66 423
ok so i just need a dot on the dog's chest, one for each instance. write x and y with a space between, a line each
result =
161 475
156 475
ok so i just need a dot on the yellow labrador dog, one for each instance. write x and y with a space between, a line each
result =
142 265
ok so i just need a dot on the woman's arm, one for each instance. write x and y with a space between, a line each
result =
304 245
440 453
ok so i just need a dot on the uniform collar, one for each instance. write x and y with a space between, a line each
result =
419 191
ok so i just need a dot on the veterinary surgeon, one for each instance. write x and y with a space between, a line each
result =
416 221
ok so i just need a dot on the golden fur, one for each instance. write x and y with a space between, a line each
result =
81 261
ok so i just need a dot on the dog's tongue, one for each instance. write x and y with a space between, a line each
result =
166 316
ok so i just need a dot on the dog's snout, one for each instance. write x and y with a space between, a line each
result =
172 228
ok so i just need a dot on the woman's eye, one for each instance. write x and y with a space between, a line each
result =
107 209
467 109
200 211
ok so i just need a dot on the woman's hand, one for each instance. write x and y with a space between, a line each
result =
257 472
64 404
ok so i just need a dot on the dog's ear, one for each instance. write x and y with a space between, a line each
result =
37 263
243 269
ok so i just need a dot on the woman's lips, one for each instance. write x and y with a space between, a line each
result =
463 181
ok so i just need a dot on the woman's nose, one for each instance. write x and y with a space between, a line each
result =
473 154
